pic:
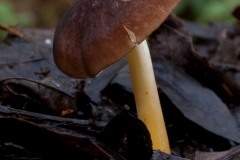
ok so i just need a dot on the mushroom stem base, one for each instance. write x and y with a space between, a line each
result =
146 96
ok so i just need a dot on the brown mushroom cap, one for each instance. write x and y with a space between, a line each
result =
94 34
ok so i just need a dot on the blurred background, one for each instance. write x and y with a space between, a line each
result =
46 13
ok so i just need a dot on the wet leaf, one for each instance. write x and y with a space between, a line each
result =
179 70
181 53
129 136
191 83
97 84
232 154
157 155
51 143
198 104
35 96
41 118
27 60
33 60
125 134
212 31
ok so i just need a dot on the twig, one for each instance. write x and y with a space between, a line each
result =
227 66
8 110
18 33
21 62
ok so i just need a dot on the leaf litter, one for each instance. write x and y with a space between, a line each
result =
200 98
181 74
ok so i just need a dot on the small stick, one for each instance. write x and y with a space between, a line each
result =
17 32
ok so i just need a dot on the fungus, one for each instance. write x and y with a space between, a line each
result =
93 34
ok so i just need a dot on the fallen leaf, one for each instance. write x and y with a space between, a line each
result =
35 96
184 77
129 136
232 154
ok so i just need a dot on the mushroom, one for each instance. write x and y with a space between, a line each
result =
93 34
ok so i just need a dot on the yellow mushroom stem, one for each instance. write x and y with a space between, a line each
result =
146 96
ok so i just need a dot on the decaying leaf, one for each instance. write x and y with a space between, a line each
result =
182 75
182 54
157 155
34 96
131 140
232 154
124 136
200 90
49 142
